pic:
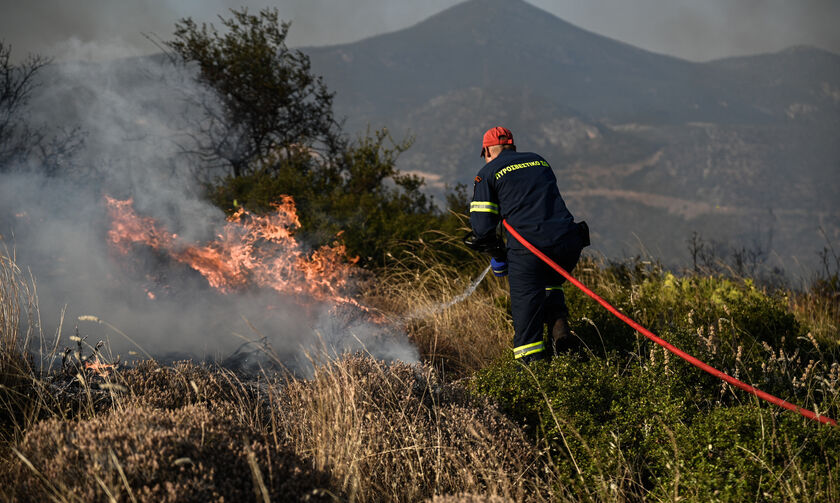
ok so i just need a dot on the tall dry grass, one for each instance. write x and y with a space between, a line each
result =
819 306
818 309
16 402
27 393
457 339
395 433
18 305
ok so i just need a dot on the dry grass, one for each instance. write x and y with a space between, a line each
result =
359 430
458 339
16 297
393 433
182 384
820 312
18 304
819 307
140 453
468 498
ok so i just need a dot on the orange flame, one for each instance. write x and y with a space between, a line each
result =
251 250
99 368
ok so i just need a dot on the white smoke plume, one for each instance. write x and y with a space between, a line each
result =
57 227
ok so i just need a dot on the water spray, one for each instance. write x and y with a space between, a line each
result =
429 311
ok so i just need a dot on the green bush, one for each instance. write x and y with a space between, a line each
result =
586 411
751 452
627 418
641 429
360 195
730 324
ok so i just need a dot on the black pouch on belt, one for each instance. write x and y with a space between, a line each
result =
583 230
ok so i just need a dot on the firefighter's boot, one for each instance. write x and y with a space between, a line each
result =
561 336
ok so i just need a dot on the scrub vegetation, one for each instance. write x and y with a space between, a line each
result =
617 419
267 129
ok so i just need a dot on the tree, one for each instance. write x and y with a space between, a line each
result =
269 122
264 97
16 85
20 143
362 194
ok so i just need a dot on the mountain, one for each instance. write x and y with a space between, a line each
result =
647 147
511 46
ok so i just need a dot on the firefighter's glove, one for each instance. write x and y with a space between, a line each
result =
500 267
472 242
491 245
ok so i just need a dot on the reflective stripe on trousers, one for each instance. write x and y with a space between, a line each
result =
528 349
536 294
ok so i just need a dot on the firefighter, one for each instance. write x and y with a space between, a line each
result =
521 188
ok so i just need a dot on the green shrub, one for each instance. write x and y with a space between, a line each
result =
640 429
729 324
360 196
628 418
759 453
584 411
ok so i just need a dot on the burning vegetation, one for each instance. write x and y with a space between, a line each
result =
251 251
257 261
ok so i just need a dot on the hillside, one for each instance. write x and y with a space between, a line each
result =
513 47
647 146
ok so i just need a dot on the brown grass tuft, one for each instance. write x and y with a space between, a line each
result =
184 383
147 454
393 433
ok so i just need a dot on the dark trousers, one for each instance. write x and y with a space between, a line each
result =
535 294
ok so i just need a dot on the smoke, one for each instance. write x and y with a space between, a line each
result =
57 226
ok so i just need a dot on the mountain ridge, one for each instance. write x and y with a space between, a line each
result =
752 135
733 135
596 75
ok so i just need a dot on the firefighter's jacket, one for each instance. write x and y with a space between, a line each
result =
521 188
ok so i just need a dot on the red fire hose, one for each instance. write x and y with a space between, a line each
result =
647 333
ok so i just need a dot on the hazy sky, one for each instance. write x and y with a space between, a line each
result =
691 29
